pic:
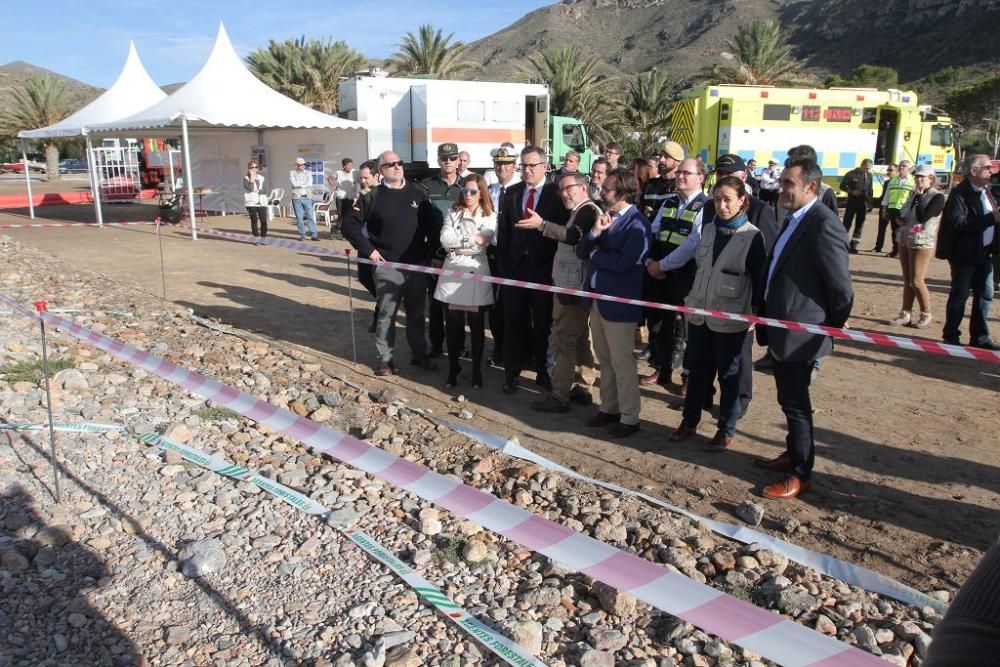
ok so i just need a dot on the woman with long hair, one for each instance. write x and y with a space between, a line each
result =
256 200
732 268
467 233
642 171
921 215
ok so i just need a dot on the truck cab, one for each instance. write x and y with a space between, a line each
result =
570 134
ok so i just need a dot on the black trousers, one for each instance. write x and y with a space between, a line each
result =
793 379
496 312
888 219
435 318
854 213
455 331
524 308
711 353
258 214
671 329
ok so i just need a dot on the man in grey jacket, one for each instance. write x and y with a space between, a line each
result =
570 328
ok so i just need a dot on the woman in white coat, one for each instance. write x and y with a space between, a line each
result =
467 232
256 200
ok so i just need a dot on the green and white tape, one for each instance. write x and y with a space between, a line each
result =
501 646
81 427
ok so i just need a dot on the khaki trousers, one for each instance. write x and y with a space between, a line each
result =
619 371
571 341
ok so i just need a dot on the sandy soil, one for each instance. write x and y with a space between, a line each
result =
907 478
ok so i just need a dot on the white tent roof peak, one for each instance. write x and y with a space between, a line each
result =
132 91
225 93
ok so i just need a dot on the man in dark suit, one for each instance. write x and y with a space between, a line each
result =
808 281
968 238
523 254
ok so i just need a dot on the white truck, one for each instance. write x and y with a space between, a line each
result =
413 116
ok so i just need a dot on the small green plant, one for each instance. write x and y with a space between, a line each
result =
216 414
31 371
449 551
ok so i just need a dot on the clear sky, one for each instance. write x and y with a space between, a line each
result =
88 40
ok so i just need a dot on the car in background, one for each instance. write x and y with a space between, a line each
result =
72 166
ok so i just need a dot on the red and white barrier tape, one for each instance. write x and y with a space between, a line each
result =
856 335
764 632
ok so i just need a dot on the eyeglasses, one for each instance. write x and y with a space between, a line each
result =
605 188
612 153
448 158
396 163
253 166
531 165
571 185
686 173
470 191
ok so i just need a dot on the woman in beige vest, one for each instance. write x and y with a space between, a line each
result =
732 269
921 215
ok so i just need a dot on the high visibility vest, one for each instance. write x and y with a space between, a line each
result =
899 191
675 225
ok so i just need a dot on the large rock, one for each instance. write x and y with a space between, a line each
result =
750 512
604 639
614 601
592 658
202 557
528 635
70 379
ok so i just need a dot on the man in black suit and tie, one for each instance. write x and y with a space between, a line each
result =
808 281
526 255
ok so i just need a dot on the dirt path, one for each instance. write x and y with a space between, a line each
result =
907 478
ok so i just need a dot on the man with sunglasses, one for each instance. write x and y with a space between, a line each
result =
442 190
401 227
523 254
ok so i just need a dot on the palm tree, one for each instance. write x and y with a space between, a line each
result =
757 56
429 53
40 101
575 88
648 107
308 72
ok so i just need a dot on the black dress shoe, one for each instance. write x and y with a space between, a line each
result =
603 419
580 396
621 430
509 387
550 404
987 344
682 432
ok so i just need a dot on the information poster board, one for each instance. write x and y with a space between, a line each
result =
313 155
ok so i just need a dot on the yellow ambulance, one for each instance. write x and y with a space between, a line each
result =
844 125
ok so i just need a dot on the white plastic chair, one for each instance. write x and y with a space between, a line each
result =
322 209
275 207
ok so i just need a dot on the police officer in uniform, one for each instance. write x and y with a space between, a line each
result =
665 183
670 266
443 190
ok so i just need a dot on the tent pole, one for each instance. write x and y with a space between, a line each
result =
95 188
188 176
27 179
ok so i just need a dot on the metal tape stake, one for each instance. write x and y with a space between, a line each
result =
41 307
163 277
350 300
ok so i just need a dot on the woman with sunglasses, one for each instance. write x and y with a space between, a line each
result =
256 200
467 232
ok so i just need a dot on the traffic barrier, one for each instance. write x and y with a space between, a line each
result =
504 648
856 335
730 618
832 567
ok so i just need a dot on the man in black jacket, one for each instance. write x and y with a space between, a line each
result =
401 227
857 183
808 281
968 238
523 254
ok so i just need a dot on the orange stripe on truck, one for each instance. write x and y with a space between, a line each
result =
472 135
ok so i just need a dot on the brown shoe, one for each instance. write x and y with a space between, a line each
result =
603 419
385 369
682 432
652 378
621 430
790 487
719 443
782 463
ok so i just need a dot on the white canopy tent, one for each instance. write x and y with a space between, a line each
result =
132 91
222 114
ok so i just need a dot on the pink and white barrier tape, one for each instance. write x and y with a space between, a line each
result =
856 335
715 612
73 224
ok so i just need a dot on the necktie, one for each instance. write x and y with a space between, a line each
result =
531 202
503 191
784 225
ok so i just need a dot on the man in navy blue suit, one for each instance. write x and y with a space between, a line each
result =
808 281
616 246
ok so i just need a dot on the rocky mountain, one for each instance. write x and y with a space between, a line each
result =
14 74
917 37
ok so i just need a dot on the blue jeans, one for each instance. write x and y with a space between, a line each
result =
977 277
303 208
